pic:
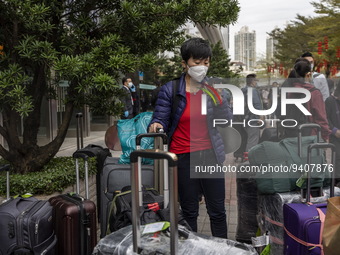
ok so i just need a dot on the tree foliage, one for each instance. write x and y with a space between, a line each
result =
90 44
304 33
220 64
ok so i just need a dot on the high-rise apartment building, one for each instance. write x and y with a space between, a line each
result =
270 49
245 48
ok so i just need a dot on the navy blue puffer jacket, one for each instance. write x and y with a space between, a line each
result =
162 114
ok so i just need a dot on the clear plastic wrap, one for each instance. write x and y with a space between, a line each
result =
270 214
247 208
120 242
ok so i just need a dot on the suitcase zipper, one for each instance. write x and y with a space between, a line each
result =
308 223
32 212
20 224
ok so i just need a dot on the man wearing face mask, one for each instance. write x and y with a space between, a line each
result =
127 99
318 80
192 135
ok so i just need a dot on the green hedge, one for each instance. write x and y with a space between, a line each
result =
58 174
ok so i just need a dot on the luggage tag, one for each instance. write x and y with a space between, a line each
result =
260 240
299 182
156 227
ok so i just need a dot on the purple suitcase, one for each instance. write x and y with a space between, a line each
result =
303 223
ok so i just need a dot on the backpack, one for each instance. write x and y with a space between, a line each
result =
152 210
294 113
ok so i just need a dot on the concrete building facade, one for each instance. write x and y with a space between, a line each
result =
245 48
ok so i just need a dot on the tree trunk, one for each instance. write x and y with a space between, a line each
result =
26 156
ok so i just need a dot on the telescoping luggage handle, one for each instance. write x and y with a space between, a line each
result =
6 168
162 185
80 142
78 155
309 160
136 191
300 129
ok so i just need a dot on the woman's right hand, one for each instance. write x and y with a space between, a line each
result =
154 127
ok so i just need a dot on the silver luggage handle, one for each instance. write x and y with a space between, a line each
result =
85 157
303 126
309 158
6 168
162 186
136 192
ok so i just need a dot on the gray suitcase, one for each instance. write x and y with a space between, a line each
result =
116 176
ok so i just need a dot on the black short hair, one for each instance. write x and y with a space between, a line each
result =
196 48
307 54
125 79
302 67
250 78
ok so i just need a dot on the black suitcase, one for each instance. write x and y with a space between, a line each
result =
75 218
115 176
26 225
93 150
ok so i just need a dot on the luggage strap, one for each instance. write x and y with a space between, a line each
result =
322 219
279 224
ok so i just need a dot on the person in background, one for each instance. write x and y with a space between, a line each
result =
317 79
253 132
155 93
265 99
127 99
270 100
135 99
333 115
193 136
300 77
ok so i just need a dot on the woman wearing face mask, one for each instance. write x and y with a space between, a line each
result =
300 77
193 138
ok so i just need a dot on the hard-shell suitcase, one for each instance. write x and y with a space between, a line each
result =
115 176
75 218
26 225
303 223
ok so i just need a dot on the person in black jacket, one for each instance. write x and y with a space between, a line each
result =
333 116
127 99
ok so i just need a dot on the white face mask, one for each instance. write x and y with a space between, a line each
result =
130 84
198 73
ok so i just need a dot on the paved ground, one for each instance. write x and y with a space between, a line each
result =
97 137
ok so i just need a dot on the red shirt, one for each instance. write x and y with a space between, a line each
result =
191 133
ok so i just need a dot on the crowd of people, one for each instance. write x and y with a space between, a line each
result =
178 111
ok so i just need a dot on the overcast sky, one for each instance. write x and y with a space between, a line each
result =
264 15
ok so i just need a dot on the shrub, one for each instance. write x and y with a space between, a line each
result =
58 174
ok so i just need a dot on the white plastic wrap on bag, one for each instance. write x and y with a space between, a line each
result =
247 207
120 242
270 214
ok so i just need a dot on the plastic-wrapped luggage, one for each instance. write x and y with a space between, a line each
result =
246 206
270 214
135 238
120 242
